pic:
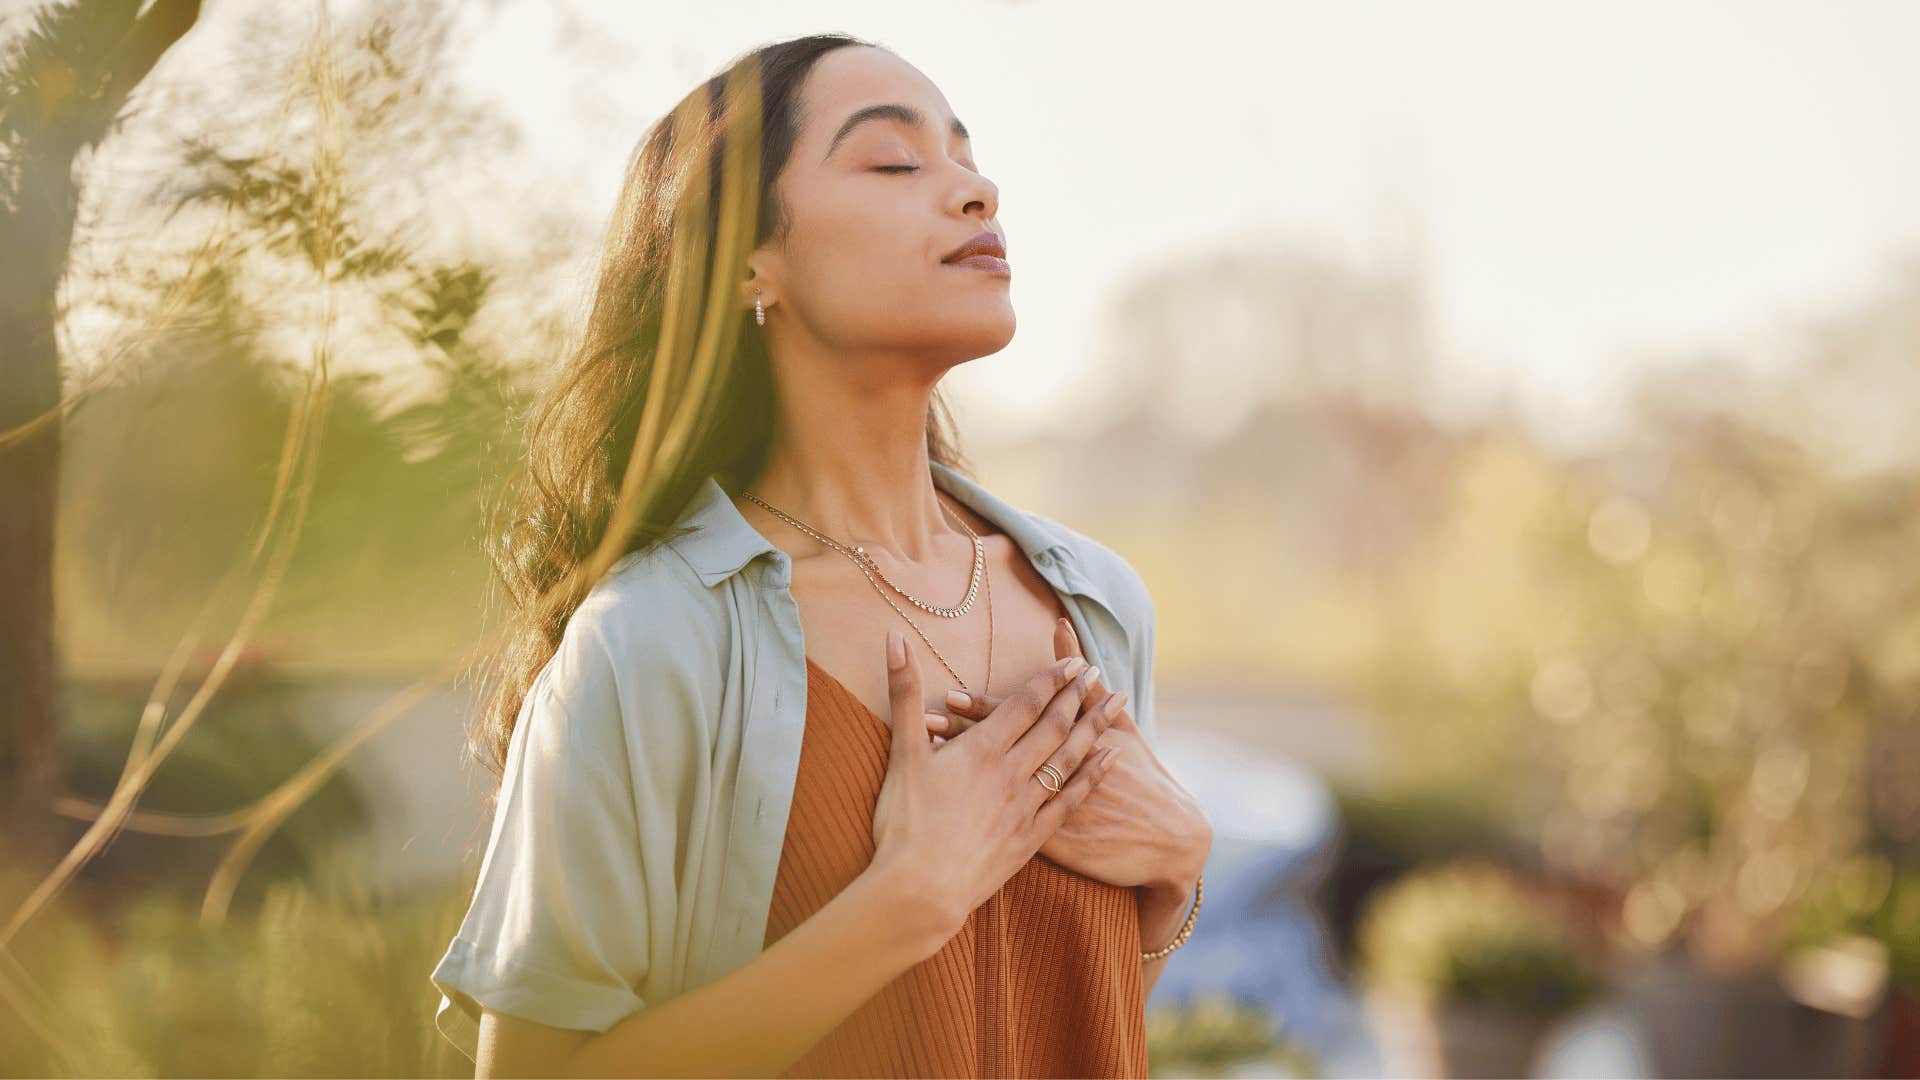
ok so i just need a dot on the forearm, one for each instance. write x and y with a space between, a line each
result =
758 1019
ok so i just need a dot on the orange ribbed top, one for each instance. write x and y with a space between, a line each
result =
1042 980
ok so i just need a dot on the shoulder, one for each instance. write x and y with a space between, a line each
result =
647 597
1107 570
644 642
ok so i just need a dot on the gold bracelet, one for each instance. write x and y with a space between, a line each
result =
1186 928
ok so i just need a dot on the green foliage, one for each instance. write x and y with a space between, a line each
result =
170 474
1217 1035
1869 897
247 742
292 272
324 979
1410 824
1681 668
1465 932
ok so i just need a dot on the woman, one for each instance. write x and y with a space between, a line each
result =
710 853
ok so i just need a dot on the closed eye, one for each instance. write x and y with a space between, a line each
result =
896 168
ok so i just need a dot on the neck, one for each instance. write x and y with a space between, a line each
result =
865 482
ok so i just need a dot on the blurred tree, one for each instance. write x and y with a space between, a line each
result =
318 216
1686 665
63 85
1273 377
292 190
1199 345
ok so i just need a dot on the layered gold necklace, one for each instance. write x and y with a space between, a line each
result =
875 576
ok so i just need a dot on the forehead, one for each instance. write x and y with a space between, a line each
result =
851 78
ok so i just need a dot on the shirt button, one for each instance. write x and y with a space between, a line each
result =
1043 558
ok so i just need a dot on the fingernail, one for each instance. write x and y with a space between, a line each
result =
1067 667
959 700
1106 759
1111 707
1087 676
936 722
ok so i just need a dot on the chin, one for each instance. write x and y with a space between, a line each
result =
959 330
985 337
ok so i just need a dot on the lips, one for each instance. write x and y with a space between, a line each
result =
985 243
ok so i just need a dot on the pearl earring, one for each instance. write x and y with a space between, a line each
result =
759 313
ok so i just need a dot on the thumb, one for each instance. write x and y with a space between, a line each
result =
1065 642
903 698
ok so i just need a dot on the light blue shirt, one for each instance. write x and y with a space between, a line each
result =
643 803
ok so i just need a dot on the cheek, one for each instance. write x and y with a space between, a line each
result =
867 237
870 250
858 271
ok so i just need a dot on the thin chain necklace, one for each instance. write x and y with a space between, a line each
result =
871 570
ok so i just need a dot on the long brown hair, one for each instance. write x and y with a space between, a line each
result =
668 385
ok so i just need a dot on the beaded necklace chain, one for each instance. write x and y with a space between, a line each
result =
871 570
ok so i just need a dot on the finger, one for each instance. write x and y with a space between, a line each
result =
1069 757
967 709
956 725
1066 644
964 710
1117 713
1024 706
1097 696
938 723
1055 722
1055 810
904 700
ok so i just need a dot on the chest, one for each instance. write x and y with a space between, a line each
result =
1004 638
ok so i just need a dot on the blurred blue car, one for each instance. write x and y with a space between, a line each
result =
1260 937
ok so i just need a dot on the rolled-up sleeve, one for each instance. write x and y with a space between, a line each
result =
557 930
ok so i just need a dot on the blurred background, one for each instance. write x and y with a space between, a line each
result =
1508 405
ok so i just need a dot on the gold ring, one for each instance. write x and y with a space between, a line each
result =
1059 778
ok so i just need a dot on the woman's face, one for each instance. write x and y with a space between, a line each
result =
875 204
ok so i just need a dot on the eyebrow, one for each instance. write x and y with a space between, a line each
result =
905 114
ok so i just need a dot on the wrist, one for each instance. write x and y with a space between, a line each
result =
1164 911
1163 903
1177 876
920 922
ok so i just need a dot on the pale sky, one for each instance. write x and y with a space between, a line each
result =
1583 182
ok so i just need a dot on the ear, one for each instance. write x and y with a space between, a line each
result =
758 284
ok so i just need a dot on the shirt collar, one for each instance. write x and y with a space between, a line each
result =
723 542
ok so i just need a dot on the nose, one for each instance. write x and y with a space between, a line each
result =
980 192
